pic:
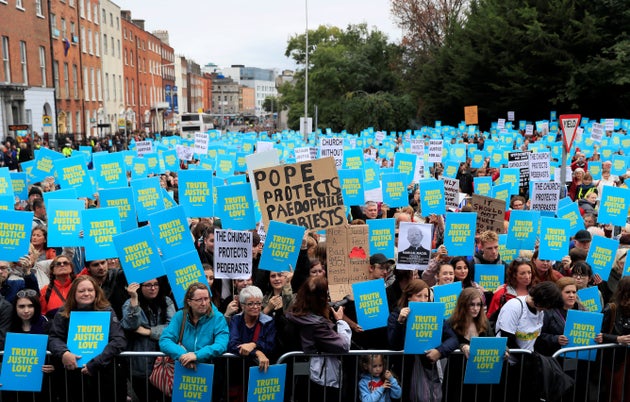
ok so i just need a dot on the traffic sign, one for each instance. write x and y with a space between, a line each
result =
569 124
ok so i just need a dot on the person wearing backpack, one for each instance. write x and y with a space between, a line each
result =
54 295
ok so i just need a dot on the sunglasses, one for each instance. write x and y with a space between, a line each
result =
26 293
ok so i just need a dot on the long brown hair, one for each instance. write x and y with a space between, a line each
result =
621 297
414 286
459 320
512 270
100 301
312 298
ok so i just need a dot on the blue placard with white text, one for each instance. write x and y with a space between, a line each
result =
424 327
601 255
100 225
486 360
171 232
193 385
24 356
370 302
266 386
382 235
448 295
282 246
88 334
459 233
138 255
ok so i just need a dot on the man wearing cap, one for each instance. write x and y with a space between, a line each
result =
582 239
379 266
415 254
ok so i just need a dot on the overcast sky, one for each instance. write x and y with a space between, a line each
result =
251 32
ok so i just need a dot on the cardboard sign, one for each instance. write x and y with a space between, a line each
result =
347 258
304 194
471 115
490 213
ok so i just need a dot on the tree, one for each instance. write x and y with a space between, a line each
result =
270 104
342 64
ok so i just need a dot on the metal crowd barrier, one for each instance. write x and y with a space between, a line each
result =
593 379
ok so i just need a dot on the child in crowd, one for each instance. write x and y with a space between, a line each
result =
376 383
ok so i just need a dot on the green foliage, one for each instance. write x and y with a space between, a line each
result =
354 80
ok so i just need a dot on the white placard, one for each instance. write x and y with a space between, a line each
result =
332 146
435 150
144 147
545 196
539 166
232 254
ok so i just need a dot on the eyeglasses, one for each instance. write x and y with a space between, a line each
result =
253 304
200 300
152 285
62 263
26 293
475 305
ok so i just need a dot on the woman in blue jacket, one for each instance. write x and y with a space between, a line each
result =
205 333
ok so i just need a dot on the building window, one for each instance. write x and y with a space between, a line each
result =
125 56
42 64
88 10
77 121
106 86
96 21
90 43
133 93
104 16
71 3
23 62
18 4
99 84
117 47
83 45
111 20
75 81
6 62
82 8
117 23
131 58
120 87
97 47
66 81
72 31
105 45
64 33
85 85
92 85
127 90
69 125
38 8
53 26
56 77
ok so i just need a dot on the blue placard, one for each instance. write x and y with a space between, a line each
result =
448 295
237 179
370 302
490 276
581 328
20 186
72 173
405 164
351 183
64 222
100 225
267 386
614 205
225 165
485 363
595 169
171 162
67 194
147 197
193 385
450 169
483 185
523 229
235 207
371 175
181 272
601 255
88 334
512 176
571 212
195 193
501 192
382 236
282 246
170 230
44 164
122 199
168 200
554 238
591 299
353 159
394 190
24 356
618 165
110 170
6 184
138 255
432 197
424 327
459 233
139 168
15 234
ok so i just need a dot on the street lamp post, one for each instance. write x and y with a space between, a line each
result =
306 77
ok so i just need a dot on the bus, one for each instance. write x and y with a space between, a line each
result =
191 123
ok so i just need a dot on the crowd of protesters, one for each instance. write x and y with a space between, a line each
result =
271 313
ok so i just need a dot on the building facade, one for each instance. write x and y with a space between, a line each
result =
114 106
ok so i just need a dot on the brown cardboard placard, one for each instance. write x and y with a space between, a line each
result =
305 194
347 258
490 213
